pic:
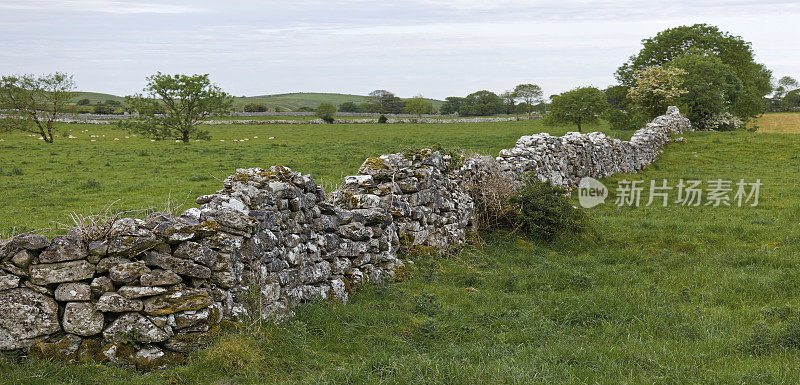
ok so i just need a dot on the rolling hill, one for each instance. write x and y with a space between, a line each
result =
281 102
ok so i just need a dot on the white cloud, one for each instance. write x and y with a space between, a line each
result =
101 6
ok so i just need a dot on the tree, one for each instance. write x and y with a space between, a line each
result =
84 102
255 107
732 51
657 87
418 106
784 86
174 106
713 88
622 113
510 99
32 103
792 99
482 103
530 94
579 106
326 112
348 107
451 105
113 103
385 102
789 83
103 110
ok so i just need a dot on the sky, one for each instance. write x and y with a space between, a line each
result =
435 48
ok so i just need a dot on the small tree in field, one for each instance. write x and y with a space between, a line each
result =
32 102
418 106
174 106
530 94
510 100
657 88
579 106
326 112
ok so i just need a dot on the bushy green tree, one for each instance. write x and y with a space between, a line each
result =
326 112
621 113
255 107
32 103
84 102
418 106
579 106
510 101
792 99
702 39
173 106
348 107
385 102
482 103
713 88
451 105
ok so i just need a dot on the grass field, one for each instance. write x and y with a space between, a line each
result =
650 295
779 122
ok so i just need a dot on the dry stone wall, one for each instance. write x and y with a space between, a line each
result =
143 292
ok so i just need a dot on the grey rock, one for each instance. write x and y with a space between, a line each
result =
73 291
134 325
107 263
97 250
22 259
116 303
141 291
63 249
71 271
178 301
33 242
196 252
8 281
82 318
127 272
159 277
101 285
177 265
24 316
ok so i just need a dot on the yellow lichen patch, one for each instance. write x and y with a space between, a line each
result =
375 164
241 177
177 301
209 225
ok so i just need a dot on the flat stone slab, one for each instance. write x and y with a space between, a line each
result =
25 315
72 271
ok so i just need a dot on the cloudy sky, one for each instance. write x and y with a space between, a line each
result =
437 48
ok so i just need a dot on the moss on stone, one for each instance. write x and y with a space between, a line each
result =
375 164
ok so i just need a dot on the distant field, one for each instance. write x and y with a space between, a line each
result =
42 182
780 122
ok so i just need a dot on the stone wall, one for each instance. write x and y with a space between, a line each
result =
144 291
